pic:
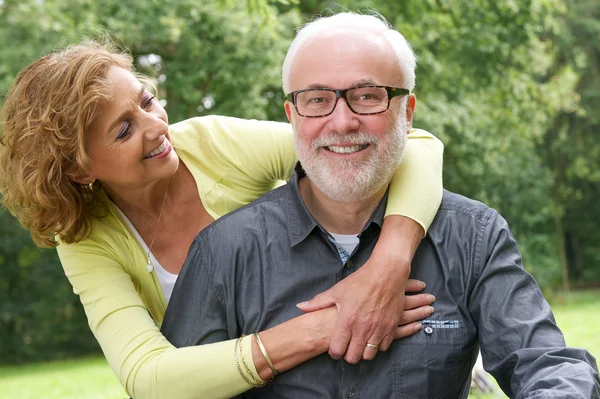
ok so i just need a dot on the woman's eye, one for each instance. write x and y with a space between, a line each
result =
147 101
124 131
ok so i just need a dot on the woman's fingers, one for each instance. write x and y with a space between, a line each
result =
409 316
407 330
386 342
413 285
415 301
416 307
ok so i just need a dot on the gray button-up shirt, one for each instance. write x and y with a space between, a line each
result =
245 273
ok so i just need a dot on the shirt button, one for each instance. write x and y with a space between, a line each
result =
351 392
428 330
349 264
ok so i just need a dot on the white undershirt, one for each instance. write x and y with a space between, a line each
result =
346 241
166 279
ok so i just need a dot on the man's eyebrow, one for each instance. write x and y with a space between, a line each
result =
360 82
365 81
318 86
114 124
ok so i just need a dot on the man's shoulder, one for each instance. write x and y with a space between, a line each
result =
456 203
460 213
250 216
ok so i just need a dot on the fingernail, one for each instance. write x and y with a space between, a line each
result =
299 305
431 298
418 327
423 285
430 309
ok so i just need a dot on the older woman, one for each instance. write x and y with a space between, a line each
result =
89 164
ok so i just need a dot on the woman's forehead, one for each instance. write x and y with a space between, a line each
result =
123 83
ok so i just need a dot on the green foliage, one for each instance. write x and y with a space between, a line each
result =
511 87
40 318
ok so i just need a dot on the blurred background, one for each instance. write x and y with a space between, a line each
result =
512 87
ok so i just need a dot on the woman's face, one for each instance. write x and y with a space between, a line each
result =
129 143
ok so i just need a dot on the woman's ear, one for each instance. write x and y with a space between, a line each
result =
81 177
85 181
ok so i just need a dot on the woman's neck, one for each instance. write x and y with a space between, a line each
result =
149 200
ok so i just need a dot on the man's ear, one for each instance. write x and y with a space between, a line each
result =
288 110
411 104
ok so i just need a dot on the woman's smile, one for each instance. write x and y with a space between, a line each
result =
161 151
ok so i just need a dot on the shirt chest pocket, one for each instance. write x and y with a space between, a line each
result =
426 365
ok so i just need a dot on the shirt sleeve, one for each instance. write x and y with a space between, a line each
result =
521 345
146 364
197 312
416 187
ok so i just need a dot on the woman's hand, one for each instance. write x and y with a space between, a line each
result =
370 302
304 337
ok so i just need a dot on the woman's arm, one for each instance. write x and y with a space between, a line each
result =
148 366
370 301
145 363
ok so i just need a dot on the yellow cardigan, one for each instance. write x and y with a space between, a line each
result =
233 161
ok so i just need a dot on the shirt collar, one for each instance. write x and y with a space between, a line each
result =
301 222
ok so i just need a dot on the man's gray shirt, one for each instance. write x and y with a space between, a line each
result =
245 273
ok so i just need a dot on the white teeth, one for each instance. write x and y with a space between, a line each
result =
346 150
158 150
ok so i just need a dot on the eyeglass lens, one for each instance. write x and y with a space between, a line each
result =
361 100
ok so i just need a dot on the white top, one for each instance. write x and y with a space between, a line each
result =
346 241
165 278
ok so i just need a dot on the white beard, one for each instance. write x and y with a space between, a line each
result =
355 180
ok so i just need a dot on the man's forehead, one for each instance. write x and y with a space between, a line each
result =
341 59
341 43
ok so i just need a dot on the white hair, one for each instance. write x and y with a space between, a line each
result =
349 21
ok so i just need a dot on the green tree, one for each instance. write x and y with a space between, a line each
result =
206 57
568 144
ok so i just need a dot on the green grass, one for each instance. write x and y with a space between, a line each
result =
73 379
576 315
91 378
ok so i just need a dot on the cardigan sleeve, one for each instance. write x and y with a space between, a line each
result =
146 364
416 187
254 155
264 152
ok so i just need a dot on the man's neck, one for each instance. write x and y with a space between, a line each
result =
336 216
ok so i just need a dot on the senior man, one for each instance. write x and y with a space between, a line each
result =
349 79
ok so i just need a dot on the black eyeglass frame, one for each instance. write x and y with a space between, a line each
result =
391 92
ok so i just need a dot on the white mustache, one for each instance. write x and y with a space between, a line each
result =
360 138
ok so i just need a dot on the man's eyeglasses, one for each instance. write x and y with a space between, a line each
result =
362 100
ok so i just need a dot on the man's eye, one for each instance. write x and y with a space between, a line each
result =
367 97
317 100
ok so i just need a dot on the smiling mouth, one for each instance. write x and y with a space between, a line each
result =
346 149
157 150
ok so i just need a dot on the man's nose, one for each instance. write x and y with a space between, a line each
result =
342 119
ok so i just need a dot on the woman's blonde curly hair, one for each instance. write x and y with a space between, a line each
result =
45 117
